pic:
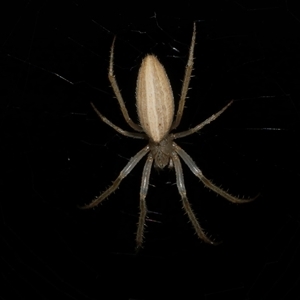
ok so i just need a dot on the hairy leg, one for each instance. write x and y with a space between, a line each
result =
128 168
143 206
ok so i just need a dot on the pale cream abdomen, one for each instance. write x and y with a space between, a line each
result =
154 98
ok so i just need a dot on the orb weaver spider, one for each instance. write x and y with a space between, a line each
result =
155 108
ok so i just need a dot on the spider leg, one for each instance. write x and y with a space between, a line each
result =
186 204
143 206
201 125
117 92
186 81
128 168
197 172
136 135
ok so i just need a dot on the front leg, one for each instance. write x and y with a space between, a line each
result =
197 172
128 168
186 204
143 206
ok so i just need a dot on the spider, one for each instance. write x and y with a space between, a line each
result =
155 108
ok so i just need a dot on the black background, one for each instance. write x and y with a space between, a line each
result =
56 153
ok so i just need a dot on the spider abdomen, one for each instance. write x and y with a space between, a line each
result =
154 97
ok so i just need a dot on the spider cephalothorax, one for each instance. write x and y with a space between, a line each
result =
162 152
